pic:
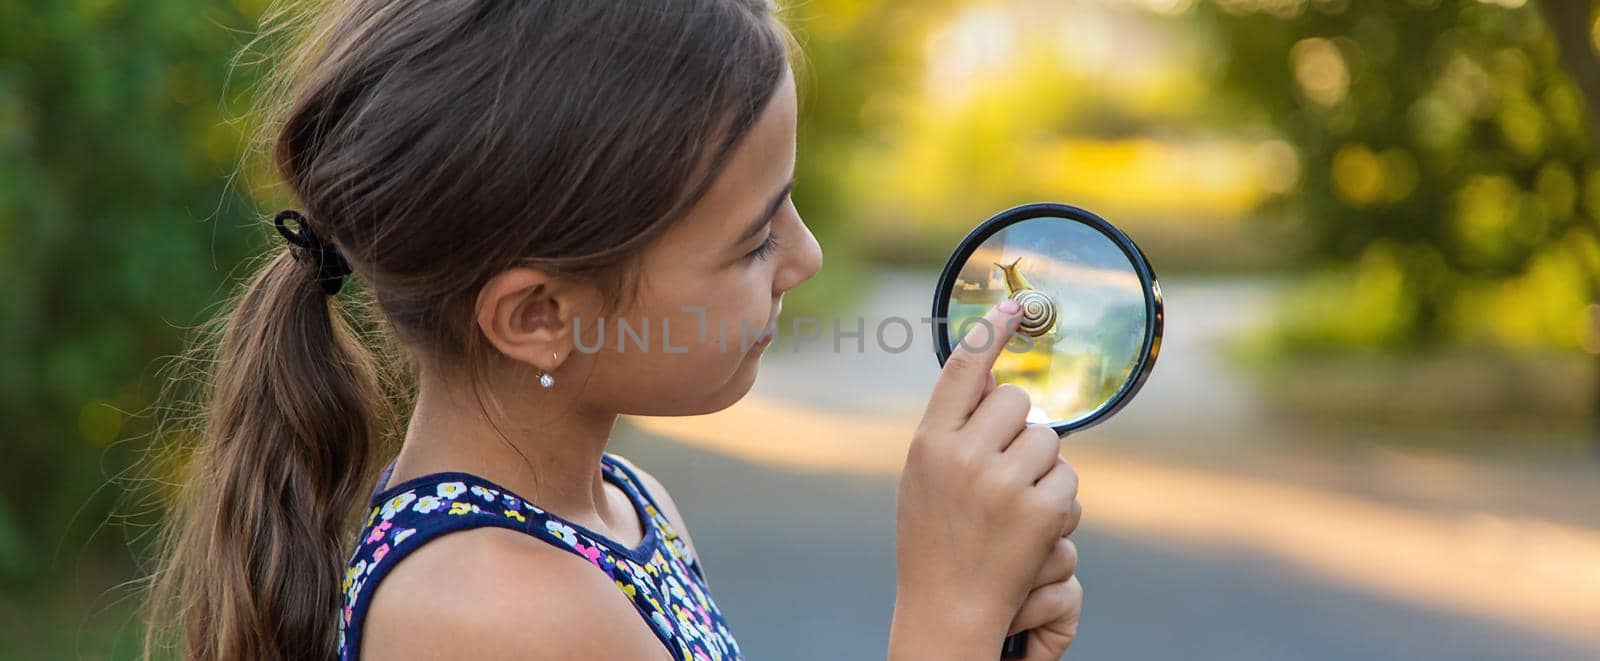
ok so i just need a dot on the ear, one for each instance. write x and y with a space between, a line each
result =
527 315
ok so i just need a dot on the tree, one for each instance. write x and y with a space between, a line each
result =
117 152
1447 159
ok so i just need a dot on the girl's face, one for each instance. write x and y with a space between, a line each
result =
710 288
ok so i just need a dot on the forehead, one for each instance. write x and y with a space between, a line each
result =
756 170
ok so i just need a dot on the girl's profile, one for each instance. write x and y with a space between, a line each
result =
404 448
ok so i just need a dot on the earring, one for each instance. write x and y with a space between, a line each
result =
547 381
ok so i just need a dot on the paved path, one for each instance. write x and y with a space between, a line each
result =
803 563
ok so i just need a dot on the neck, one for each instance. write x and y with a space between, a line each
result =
542 445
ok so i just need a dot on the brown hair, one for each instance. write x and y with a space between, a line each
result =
437 143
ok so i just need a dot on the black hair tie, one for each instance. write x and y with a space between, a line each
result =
331 265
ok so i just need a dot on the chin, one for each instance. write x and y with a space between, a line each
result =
686 395
734 389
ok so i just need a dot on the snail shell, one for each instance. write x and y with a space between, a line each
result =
1038 312
1038 309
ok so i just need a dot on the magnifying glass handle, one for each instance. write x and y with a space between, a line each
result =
1015 647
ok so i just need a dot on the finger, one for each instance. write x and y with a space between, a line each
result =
1000 417
1046 604
1060 485
1059 565
991 385
962 381
1033 452
1051 639
1074 518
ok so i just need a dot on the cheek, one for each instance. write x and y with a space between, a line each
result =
715 316
698 350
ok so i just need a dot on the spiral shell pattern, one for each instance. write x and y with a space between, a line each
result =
1038 312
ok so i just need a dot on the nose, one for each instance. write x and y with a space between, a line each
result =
803 261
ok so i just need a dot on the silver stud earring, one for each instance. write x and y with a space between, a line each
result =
547 381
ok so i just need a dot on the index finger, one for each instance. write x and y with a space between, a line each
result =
966 372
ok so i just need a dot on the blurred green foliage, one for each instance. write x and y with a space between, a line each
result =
1449 184
116 229
850 51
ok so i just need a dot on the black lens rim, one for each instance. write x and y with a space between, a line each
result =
1154 306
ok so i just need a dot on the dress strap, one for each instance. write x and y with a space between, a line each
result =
634 486
658 576
408 515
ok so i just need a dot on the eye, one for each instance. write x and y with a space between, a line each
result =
766 248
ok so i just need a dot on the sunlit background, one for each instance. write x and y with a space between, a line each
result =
1372 432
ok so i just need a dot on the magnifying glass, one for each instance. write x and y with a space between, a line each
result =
1092 315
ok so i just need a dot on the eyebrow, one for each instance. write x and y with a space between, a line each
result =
772 210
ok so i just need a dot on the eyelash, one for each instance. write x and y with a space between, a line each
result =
766 248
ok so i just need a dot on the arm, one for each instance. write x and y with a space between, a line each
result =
496 594
938 629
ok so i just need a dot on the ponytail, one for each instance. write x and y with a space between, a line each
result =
289 429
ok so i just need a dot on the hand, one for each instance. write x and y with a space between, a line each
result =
983 502
1052 610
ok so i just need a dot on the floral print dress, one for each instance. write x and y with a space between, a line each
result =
660 576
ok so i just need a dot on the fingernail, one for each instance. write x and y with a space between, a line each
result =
1010 306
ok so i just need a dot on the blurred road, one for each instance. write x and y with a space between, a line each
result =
803 564
1208 533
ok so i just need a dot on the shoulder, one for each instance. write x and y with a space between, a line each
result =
493 593
668 507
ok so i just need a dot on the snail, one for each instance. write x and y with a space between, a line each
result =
1038 309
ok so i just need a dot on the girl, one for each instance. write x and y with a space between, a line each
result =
505 177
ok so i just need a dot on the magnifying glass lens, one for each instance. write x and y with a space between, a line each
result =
1087 314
